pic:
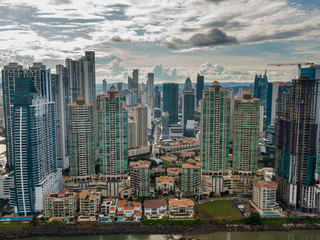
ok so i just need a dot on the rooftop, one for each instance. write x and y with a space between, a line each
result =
266 184
155 203
181 203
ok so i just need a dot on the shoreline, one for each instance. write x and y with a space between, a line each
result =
137 229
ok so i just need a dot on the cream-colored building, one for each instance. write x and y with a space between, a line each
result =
89 202
264 195
61 204
165 184
181 208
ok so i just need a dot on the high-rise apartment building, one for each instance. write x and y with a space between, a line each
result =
157 98
296 144
170 101
81 138
246 133
40 76
120 86
88 77
74 70
132 134
135 83
215 124
140 178
35 161
104 86
150 90
260 89
61 97
113 119
9 75
188 105
190 180
200 87
273 91
141 118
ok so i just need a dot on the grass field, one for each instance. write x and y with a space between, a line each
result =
11 225
218 210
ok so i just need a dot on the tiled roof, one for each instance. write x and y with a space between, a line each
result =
266 184
155 203
181 203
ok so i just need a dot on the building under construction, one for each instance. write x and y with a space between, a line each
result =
296 145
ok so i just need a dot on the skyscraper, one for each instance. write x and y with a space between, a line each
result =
260 89
200 87
9 75
215 124
188 105
150 90
273 90
73 67
81 138
132 134
130 83
119 86
296 144
157 98
135 83
104 86
246 133
88 77
35 162
62 97
170 101
141 118
112 117
41 78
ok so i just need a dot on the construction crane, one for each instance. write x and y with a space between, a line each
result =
291 64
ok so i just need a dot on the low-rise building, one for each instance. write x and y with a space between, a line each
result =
187 154
109 207
129 209
165 184
140 178
89 202
173 172
62 204
155 208
181 208
264 195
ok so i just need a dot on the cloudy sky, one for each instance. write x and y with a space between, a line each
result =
225 40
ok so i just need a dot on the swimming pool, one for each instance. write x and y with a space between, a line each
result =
120 219
14 219
268 213
105 219
84 217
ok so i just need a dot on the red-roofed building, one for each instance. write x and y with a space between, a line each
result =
129 209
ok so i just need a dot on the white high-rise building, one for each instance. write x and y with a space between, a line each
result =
35 159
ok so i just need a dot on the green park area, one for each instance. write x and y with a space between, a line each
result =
217 211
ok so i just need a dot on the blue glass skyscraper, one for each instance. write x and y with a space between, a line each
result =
34 141
170 101
200 87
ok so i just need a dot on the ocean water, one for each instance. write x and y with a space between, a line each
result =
292 235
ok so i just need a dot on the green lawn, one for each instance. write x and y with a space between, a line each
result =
11 225
217 210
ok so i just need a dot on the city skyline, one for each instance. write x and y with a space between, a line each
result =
222 40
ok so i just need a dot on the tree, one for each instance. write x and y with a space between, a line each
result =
34 221
254 219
